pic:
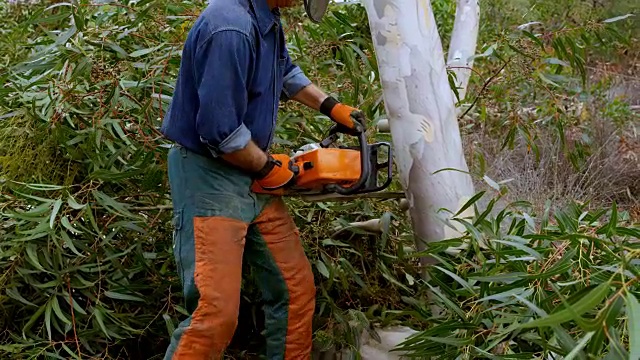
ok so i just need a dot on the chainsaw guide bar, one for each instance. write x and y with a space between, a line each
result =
338 197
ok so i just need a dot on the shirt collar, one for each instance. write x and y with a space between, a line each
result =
266 17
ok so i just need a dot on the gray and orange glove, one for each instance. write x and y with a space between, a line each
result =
278 173
349 119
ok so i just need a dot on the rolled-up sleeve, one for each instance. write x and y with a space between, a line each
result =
222 66
294 79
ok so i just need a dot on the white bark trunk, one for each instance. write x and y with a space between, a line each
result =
463 43
422 115
422 120
391 337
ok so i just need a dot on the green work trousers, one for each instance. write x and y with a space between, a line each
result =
219 224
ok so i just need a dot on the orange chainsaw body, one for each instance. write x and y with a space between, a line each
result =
337 169
323 166
320 167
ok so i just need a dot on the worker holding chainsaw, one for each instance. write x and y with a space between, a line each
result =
235 69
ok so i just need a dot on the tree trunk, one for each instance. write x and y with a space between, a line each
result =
422 115
463 43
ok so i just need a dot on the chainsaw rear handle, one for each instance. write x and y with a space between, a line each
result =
365 164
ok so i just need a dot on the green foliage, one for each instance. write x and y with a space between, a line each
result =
86 250
537 75
85 217
562 284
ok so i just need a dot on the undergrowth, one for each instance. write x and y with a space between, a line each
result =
86 261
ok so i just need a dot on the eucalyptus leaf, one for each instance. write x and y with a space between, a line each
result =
89 236
586 303
633 325
120 296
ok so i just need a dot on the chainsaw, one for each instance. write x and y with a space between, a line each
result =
325 170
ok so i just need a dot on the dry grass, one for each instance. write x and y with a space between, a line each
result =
610 173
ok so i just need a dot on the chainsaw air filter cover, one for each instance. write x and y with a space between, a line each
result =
323 166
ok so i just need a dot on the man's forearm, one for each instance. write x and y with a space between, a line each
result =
251 158
311 96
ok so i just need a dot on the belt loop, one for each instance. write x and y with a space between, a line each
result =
183 151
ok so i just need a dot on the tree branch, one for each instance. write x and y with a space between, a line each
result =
464 38
486 84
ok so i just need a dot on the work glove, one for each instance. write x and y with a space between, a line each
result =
279 172
349 119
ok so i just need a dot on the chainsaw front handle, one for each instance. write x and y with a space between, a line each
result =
369 166
365 170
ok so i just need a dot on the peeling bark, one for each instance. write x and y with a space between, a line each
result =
421 113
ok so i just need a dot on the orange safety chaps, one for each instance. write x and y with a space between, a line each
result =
218 224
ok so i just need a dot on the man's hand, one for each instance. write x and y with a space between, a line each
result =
278 172
349 118
270 172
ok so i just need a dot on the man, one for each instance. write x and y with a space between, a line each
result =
235 68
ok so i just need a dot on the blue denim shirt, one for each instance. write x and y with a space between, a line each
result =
235 69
